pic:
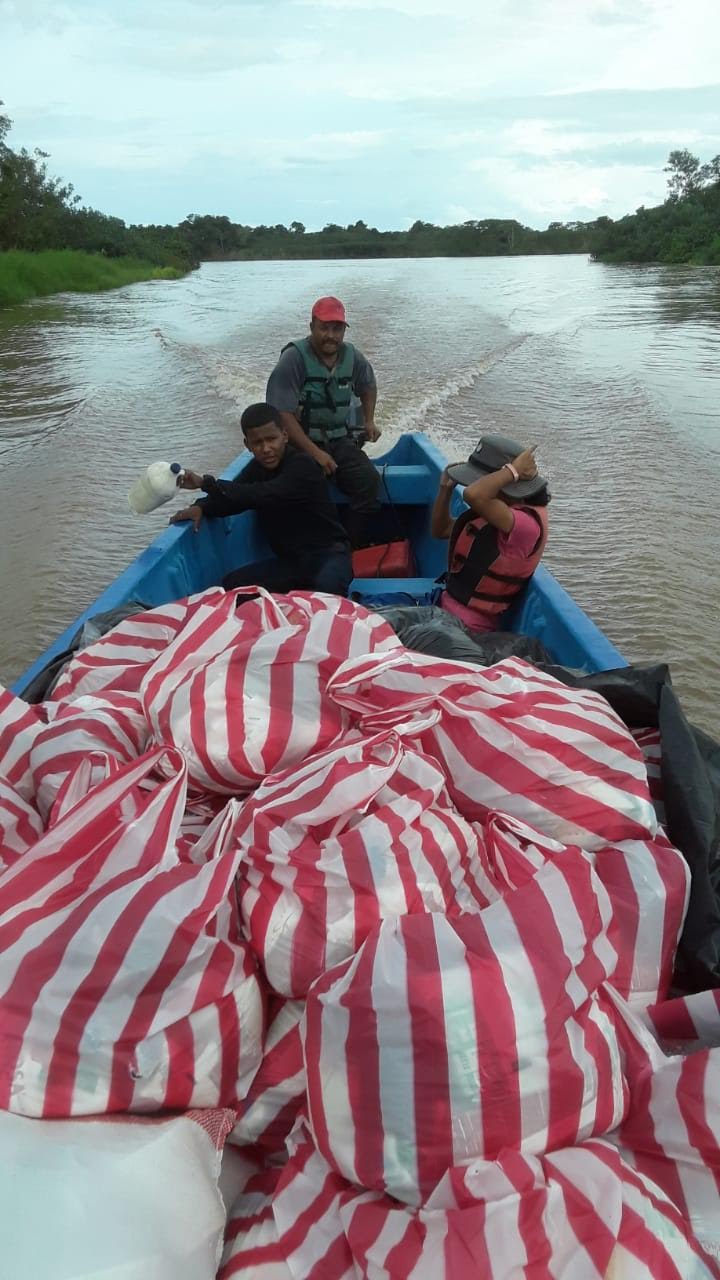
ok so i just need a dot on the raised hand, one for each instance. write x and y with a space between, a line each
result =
525 463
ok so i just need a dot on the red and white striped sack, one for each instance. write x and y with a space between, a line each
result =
19 726
120 658
124 981
111 727
252 1247
42 747
691 1022
20 822
446 1040
58 752
512 852
285 1224
512 739
329 849
88 773
580 1213
268 1113
311 1247
242 692
20 825
200 812
671 1132
647 881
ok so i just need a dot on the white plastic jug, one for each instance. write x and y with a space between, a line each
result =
157 485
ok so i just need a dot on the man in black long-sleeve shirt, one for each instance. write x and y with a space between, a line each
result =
295 512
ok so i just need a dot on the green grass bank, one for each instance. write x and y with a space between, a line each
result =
34 275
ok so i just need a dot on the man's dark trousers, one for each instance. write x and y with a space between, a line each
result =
359 480
329 569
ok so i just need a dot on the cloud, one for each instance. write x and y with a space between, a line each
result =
342 144
546 139
678 45
568 190
457 213
390 109
318 151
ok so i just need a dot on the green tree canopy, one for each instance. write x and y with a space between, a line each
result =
39 211
688 175
686 228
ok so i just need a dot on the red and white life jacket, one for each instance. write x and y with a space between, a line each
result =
482 577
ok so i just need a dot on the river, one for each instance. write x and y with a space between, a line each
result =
614 372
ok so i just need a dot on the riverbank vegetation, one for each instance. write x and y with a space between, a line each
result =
686 228
50 241
34 275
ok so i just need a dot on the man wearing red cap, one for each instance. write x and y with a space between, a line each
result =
312 386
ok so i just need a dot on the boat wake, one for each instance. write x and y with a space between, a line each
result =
234 380
228 374
416 407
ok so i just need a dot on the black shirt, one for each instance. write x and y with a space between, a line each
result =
294 508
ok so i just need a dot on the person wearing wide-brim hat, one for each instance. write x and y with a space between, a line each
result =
496 545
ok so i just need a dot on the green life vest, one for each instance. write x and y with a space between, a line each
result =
326 394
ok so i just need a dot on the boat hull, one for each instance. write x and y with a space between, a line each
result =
179 563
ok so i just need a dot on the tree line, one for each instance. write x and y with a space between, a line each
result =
218 238
38 211
686 228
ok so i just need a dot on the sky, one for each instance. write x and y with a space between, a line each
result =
388 111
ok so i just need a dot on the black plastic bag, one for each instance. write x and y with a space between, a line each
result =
429 629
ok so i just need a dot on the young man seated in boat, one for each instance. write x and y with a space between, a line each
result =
295 512
496 545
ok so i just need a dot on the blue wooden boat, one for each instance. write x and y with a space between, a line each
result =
178 563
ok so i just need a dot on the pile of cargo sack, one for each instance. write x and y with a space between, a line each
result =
322 958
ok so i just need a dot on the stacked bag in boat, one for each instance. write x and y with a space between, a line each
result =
409 922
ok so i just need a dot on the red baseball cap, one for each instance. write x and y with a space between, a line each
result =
329 309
